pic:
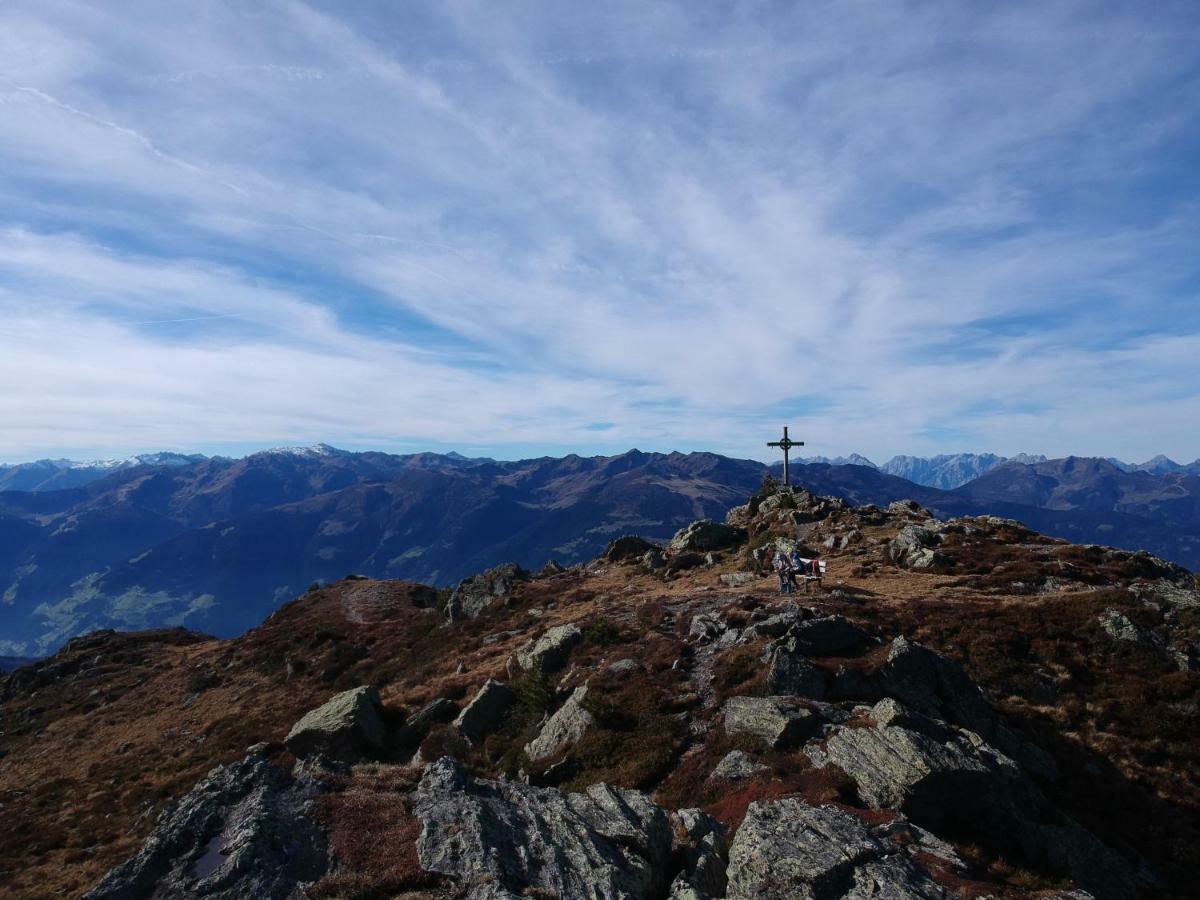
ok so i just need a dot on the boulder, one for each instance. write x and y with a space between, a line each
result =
475 594
243 831
624 667
486 710
562 729
909 509
704 535
549 652
826 636
938 687
502 839
948 779
654 560
787 848
628 547
790 672
343 728
681 562
736 766
779 721
703 852
737 579
913 547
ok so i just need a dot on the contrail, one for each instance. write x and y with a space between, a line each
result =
189 319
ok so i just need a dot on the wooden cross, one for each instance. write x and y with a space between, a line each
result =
785 445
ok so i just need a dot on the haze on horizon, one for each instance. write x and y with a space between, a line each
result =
225 227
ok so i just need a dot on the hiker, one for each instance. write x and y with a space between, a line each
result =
783 568
799 566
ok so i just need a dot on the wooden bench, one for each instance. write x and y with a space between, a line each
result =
810 575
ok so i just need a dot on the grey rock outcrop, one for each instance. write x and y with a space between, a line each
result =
549 652
562 729
736 766
914 547
475 594
789 849
950 780
791 672
827 636
704 854
779 721
628 547
486 710
346 726
937 687
1119 627
704 535
737 579
501 839
244 831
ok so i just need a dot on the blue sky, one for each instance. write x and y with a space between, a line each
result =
525 228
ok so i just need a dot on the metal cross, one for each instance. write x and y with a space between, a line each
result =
785 445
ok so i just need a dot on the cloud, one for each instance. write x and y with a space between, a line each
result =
365 224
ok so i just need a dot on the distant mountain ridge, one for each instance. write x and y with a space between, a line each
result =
951 470
217 544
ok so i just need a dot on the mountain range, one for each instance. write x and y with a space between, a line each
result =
217 544
949 471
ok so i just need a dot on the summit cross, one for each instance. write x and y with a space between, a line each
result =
785 445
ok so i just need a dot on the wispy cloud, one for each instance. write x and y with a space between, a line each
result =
895 228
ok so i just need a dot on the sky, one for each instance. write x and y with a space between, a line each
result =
515 229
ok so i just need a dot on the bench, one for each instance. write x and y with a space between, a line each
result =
810 575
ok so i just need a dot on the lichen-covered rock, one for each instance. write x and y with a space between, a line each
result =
502 839
562 729
704 535
244 831
736 766
475 594
737 579
1119 627
486 710
703 852
914 547
549 652
788 849
780 721
345 727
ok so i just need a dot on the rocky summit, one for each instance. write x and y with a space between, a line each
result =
962 707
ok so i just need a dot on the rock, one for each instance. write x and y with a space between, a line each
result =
788 849
653 560
623 667
564 728
951 780
343 728
503 839
418 724
827 636
779 721
705 535
737 579
552 568
706 626
935 686
244 831
913 547
790 672
486 710
908 509
704 855
1119 627
777 625
628 547
475 594
683 561
549 652
736 765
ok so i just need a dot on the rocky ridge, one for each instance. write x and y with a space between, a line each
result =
636 729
